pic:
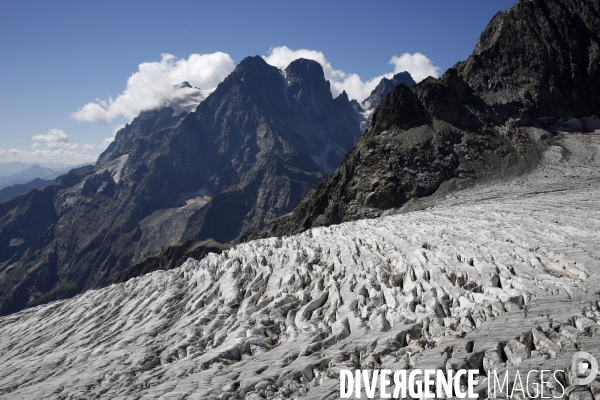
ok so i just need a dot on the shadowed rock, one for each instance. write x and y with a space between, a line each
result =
539 58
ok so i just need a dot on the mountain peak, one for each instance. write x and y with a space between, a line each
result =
308 88
343 96
251 61
303 67
253 67
400 98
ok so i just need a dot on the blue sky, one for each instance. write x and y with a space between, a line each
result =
56 57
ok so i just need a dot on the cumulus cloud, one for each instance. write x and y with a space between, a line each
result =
54 138
153 85
418 65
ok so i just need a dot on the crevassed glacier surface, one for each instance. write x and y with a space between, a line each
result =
503 276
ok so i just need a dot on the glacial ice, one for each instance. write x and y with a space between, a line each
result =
503 275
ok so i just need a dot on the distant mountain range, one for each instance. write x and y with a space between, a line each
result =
10 192
18 173
12 167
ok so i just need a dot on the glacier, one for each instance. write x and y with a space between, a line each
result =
504 275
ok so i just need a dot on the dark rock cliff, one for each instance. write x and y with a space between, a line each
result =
539 58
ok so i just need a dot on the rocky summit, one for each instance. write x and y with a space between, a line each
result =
384 87
248 153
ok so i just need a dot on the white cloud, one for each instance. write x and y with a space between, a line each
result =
67 156
152 86
58 148
54 138
418 65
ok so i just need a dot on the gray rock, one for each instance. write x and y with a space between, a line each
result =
515 352
539 58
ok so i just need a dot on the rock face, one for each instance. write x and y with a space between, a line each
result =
249 153
501 276
540 58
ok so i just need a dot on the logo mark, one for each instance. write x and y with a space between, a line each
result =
584 368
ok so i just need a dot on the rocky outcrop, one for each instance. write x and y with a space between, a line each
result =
540 58
248 153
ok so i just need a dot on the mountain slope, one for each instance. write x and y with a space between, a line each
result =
497 276
251 150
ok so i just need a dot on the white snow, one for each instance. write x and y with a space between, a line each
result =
115 167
